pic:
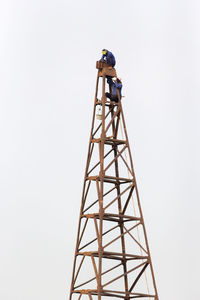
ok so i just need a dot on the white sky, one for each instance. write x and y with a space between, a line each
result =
47 75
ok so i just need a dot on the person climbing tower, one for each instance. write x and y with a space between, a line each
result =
108 58
114 84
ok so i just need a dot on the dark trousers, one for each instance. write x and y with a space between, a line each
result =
112 97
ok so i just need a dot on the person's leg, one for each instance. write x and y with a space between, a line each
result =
114 98
108 95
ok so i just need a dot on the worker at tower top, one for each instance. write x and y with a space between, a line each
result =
108 57
115 84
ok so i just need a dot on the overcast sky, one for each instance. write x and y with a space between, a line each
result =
47 84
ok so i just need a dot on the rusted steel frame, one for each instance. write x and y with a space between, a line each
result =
91 205
113 123
112 295
108 217
98 189
75 257
114 159
77 242
112 257
92 128
87 163
94 292
98 199
144 296
142 221
90 150
96 228
90 296
119 178
138 277
93 278
138 199
112 119
85 196
87 190
118 277
115 217
101 210
127 201
78 269
126 182
80 239
100 159
134 294
117 126
95 268
99 162
114 130
146 241
86 282
90 154
115 255
124 262
116 198
148 249
120 235
136 241
96 238
115 293
137 295
111 141
111 269
108 180
125 162
99 126
130 297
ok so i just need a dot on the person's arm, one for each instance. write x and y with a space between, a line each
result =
102 58
109 81
118 85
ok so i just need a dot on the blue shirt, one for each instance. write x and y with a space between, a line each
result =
109 58
114 87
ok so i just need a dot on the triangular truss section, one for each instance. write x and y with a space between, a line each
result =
112 258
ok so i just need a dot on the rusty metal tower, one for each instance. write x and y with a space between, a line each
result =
112 257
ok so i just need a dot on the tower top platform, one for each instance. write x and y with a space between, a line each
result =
105 69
